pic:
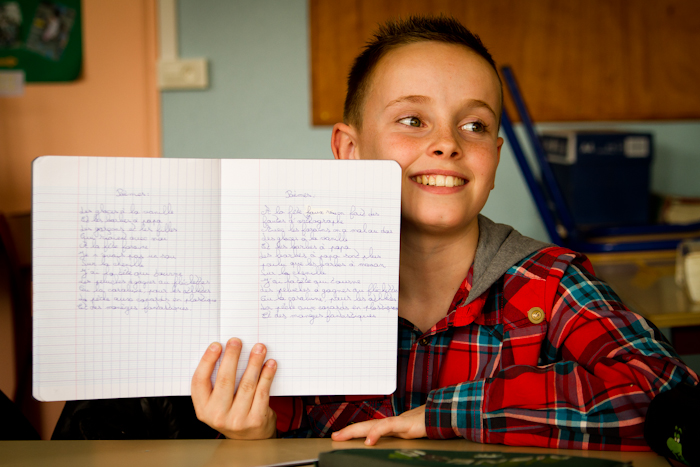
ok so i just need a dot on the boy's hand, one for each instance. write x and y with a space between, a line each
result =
408 425
245 414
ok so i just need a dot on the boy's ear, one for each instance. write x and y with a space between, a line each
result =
499 146
344 142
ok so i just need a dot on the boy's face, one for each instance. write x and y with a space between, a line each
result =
432 107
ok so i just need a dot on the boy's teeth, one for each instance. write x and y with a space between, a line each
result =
439 180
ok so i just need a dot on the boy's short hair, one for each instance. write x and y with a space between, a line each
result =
394 34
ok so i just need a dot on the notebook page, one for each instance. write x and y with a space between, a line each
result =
309 267
126 266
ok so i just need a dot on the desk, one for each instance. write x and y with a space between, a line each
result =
645 281
175 453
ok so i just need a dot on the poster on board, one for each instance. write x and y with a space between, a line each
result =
41 38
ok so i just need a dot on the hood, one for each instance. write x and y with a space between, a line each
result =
500 247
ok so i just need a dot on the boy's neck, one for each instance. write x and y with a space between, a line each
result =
431 270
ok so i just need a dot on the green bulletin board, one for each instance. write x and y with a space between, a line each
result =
42 38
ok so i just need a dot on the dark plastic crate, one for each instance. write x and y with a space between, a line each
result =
604 177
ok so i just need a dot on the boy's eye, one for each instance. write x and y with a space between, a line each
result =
411 121
476 127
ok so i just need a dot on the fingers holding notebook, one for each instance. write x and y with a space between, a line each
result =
243 413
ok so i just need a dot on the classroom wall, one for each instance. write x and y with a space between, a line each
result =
258 104
111 110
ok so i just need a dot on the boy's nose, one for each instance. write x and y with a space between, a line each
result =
445 145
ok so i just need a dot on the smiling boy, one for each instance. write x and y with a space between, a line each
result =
502 339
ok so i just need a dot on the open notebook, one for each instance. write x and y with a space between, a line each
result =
139 264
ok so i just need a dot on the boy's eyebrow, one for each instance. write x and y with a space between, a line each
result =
418 99
481 104
414 99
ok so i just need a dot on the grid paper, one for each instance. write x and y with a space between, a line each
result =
139 264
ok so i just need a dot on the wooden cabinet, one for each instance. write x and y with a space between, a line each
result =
576 60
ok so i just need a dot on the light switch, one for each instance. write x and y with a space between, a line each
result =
183 74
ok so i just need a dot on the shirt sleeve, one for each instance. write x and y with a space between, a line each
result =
600 366
291 419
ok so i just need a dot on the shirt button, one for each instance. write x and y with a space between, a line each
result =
535 315
424 341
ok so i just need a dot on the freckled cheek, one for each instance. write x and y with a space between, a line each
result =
485 164
488 170
403 151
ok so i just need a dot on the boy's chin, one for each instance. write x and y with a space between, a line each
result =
438 225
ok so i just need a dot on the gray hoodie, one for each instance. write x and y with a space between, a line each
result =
500 247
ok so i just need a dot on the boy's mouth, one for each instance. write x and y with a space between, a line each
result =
439 180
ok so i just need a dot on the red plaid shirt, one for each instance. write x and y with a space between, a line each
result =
582 378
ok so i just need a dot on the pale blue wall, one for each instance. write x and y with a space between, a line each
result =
258 104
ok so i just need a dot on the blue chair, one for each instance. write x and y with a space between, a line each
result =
554 212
